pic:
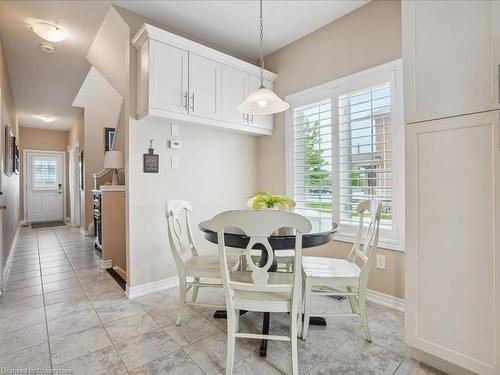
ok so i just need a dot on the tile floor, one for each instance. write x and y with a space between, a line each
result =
61 311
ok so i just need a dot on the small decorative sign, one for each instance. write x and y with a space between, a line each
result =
151 160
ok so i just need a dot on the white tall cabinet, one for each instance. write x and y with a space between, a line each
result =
451 66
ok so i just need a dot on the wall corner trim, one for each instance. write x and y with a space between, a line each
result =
152 287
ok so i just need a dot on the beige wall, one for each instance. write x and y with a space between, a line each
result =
367 37
75 134
9 185
102 108
44 140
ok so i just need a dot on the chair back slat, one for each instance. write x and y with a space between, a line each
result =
179 231
366 243
259 225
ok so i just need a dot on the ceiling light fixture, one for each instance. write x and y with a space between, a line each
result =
47 48
262 101
47 118
48 31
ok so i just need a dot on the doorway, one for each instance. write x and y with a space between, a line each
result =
44 186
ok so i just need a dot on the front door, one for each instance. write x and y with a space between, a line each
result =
44 186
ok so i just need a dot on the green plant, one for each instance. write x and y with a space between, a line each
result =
314 162
264 199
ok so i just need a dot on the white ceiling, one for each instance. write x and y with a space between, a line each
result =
47 84
234 25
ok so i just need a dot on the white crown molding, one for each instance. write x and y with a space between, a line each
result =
152 287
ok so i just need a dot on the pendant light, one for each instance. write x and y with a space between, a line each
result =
262 101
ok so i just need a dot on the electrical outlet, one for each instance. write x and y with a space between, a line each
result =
175 130
381 262
175 162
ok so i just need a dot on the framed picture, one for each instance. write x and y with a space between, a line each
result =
8 166
15 156
109 138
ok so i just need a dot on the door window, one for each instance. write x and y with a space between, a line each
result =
45 174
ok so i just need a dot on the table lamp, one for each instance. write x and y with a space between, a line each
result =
114 160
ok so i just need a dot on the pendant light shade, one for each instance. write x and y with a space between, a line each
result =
262 101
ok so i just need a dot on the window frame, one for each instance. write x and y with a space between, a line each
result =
394 238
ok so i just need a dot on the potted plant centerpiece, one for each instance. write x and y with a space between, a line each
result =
264 200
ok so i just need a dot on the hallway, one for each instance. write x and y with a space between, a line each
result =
49 312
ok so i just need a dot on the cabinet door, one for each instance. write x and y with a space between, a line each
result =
204 87
168 77
453 240
234 91
451 58
261 121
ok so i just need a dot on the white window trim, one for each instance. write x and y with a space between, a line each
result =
389 71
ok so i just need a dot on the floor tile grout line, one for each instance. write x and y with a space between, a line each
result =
44 305
93 307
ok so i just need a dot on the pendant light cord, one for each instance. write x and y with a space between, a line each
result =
261 19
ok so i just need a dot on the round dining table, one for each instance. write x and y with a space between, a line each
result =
284 239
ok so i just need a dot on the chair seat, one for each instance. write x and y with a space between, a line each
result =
207 265
259 300
319 267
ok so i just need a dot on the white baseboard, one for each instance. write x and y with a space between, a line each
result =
8 263
120 272
106 264
386 300
148 288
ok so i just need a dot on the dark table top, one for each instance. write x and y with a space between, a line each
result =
283 240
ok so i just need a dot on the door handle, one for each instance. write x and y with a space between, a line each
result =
3 206
192 103
59 192
186 100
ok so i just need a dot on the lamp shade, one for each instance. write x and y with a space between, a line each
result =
114 160
262 102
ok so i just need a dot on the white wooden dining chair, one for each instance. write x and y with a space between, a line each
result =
194 269
260 290
340 277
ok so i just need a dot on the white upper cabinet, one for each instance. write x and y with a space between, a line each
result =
234 87
204 87
180 80
451 56
168 78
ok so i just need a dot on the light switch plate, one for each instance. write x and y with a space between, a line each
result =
175 130
381 262
175 162
175 144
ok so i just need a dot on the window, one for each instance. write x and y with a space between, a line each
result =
312 162
347 146
45 174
